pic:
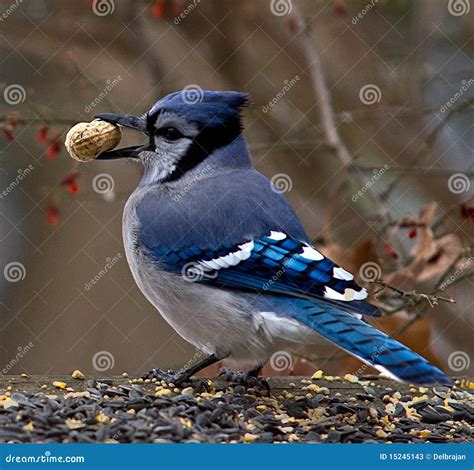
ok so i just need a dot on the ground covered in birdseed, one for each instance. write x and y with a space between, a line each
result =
318 409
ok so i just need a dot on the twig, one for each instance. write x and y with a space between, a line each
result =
328 120
432 299
441 172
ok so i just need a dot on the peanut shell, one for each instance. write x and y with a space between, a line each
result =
87 140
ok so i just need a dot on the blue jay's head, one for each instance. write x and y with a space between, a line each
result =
183 129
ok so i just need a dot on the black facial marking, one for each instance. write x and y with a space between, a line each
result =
203 144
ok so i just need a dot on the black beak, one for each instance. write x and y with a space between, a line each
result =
133 122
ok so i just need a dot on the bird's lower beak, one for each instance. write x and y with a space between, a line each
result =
133 122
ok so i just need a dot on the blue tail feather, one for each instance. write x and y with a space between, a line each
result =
367 343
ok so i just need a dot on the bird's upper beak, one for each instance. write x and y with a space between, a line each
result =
133 122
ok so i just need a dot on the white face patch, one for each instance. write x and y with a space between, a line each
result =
310 253
166 155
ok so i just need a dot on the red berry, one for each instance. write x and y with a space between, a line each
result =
339 8
53 149
70 182
52 214
8 134
42 136
177 7
158 9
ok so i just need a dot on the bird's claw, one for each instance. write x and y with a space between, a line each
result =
168 376
247 379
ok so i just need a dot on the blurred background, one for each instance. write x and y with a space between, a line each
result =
362 115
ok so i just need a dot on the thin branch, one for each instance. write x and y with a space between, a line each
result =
328 120
433 135
418 171
432 299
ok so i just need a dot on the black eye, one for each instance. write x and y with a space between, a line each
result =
170 133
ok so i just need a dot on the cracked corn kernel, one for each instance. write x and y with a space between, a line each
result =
373 412
77 374
351 378
61 385
287 429
318 374
248 437
28 427
102 418
163 392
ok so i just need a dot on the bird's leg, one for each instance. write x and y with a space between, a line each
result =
248 379
182 375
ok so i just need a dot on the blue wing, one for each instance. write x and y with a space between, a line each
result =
275 263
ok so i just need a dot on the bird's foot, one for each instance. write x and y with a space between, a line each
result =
169 376
179 379
248 379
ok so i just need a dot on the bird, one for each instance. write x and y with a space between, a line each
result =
223 257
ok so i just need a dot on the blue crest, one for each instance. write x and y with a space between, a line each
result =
208 109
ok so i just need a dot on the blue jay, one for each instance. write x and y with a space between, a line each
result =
224 258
